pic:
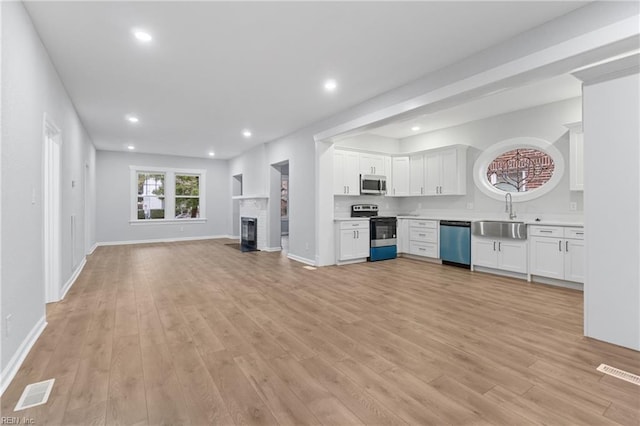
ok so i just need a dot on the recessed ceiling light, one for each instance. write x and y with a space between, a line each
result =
143 36
415 128
132 119
246 133
131 147
330 85
211 154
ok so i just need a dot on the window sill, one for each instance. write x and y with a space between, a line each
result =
197 221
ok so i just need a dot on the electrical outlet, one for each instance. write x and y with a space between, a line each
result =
573 206
469 206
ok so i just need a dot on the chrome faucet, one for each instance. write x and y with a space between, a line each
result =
508 206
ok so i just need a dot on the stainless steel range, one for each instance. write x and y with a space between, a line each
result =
382 232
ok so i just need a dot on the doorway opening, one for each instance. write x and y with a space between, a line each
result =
51 210
279 206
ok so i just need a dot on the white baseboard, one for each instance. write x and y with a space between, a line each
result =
93 248
72 279
163 240
271 249
301 259
19 356
558 283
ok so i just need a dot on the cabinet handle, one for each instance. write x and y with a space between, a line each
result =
546 231
499 246
494 246
559 245
579 233
566 246
421 190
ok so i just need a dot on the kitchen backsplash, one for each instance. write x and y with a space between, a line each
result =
387 206
421 206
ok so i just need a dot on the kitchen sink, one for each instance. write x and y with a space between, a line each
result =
499 229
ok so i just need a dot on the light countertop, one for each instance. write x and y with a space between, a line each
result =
477 219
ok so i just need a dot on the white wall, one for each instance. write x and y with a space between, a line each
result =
114 198
369 142
612 154
252 165
31 88
545 122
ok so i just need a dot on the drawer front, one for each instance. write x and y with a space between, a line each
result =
354 224
574 233
423 235
426 224
546 231
423 249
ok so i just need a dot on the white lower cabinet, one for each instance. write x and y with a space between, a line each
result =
557 252
504 254
353 240
423 238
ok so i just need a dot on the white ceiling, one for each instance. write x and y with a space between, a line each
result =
538 93
215 68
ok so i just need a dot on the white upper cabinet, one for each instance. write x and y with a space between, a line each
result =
416 174
446 171
436 172
372 164
346 173
399 185
576 157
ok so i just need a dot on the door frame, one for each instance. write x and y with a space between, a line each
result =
52 149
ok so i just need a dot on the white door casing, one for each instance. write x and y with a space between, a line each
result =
51 210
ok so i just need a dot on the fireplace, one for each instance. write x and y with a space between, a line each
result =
249 234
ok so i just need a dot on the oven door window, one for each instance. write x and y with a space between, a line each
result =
383 230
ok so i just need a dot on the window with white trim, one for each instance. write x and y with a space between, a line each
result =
161 195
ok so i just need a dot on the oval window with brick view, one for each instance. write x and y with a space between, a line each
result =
520 170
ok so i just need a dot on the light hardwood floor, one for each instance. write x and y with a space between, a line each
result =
200 333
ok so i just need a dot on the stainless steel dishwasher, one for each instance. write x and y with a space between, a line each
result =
455 243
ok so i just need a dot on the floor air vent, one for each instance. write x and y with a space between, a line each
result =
35 394
620 374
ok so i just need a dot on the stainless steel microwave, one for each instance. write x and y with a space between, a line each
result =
373 184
